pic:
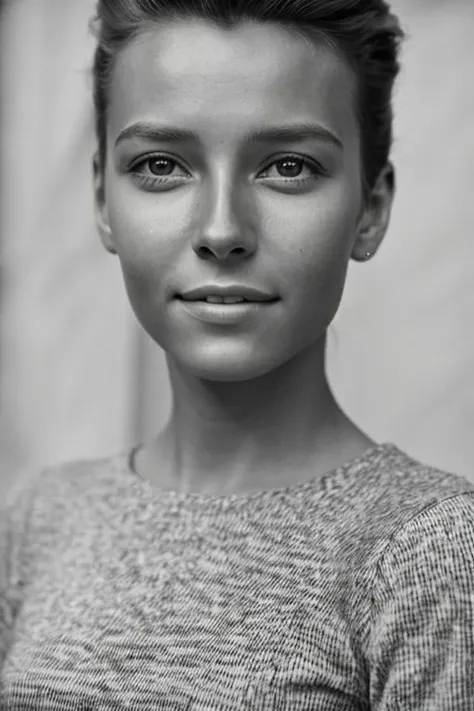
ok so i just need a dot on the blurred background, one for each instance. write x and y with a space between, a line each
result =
80 379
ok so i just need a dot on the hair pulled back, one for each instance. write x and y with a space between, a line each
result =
364 32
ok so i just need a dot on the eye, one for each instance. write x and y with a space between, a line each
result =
158 173
158 167
289 168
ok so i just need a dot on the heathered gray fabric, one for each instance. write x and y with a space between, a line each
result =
350 592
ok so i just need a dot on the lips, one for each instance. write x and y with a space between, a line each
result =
233 293
228 315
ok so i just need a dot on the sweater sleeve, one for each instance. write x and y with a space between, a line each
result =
15 514
422 627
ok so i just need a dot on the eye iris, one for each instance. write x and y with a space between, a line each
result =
290 164
160 166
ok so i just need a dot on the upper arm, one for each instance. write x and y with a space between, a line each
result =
422 631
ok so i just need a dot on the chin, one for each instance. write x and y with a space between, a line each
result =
227 369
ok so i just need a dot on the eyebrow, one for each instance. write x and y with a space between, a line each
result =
267 134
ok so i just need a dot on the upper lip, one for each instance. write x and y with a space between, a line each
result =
247 292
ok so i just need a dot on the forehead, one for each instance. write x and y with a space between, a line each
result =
221 82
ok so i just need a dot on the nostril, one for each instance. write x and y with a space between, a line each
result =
205 252
208 253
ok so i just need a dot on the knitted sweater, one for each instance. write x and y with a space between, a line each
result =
349 592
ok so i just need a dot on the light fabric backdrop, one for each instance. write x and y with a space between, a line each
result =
80 379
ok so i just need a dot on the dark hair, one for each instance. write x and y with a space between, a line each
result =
364 32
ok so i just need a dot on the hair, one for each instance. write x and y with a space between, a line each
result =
364 32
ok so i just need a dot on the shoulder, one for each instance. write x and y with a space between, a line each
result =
43 505
392 490
390 467
434 546
399 516
37 493
423 552
416 616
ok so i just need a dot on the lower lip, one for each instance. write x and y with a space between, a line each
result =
225 313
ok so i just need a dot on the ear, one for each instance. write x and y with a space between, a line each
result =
101 212
374 221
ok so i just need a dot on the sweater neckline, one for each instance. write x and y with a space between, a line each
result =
368 457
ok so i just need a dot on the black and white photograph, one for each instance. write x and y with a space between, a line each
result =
236 355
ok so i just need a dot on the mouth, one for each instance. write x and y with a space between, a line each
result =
225 300
235 312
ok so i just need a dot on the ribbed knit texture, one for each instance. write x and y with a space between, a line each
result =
350 592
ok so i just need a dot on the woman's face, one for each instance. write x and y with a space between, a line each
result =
223 206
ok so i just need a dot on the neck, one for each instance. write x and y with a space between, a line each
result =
231 435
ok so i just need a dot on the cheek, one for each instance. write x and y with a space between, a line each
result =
315 236
143 262
144 237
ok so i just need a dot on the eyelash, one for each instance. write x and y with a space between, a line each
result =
147 181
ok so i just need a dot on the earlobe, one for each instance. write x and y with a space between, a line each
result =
101 213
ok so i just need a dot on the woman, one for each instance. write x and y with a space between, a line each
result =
262 552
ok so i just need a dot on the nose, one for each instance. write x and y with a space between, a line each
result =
224 229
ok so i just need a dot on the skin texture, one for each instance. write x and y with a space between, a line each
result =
252 407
